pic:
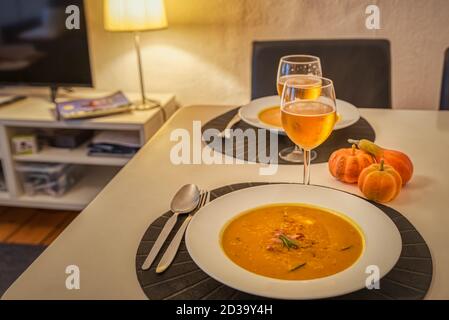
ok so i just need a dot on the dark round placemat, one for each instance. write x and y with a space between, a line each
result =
338 139
409 279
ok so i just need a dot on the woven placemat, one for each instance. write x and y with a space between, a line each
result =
409 279
338 139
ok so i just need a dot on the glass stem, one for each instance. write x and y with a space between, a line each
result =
306 179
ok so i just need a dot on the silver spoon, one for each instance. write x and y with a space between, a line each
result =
184 201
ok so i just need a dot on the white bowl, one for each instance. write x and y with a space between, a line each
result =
382 241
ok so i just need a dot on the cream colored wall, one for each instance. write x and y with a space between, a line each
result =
204 55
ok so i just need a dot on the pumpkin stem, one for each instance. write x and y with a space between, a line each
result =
353 149
381 165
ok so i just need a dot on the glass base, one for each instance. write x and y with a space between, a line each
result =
295 155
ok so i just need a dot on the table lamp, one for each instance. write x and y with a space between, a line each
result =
136 16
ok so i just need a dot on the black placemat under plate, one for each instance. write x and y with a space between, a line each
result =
338 139
409 279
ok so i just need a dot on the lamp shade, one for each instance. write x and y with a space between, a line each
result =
134 15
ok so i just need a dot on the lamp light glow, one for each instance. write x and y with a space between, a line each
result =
134 15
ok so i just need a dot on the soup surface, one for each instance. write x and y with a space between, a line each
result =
271 116
292 242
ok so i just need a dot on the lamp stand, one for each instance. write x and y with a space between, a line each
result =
145 103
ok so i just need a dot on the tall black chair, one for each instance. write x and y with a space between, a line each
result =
444 101
359 68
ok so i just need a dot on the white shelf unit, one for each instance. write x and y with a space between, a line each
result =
4 195
94 179
38 113
77 156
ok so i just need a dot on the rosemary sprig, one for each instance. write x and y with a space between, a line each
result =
299 266
289 243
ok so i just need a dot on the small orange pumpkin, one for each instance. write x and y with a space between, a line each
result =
346 164
401 162
380 182
398 160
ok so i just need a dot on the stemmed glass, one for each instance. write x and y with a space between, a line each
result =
290 67
308 112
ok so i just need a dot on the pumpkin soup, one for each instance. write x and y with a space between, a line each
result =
292 241
271 116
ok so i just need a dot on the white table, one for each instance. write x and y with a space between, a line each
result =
103 240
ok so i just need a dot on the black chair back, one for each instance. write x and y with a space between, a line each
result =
444 101
359 68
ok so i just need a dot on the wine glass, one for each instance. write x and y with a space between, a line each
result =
289 67
308 113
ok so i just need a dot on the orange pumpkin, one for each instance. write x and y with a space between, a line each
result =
398 160
346 164
380 182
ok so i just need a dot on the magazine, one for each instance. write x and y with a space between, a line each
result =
88 108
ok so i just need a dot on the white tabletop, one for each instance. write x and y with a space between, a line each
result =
103 240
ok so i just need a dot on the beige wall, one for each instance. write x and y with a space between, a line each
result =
204 55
